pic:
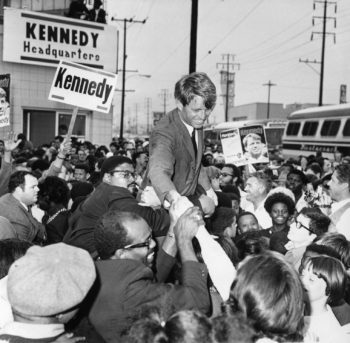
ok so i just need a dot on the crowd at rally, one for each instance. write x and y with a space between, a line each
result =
95 241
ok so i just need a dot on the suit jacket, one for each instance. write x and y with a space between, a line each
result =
124 286
173 164
25 225
107 197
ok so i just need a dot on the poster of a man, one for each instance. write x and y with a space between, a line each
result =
253 142
4 100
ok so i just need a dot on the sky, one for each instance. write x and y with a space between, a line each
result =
266 37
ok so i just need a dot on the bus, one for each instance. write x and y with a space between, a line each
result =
325 129
274 129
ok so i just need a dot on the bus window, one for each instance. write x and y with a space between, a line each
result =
293 129
310 128
330 127
346 130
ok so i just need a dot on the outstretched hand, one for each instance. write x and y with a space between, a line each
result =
10 143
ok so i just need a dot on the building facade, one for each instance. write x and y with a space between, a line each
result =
31 75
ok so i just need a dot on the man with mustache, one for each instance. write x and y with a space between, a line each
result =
117 173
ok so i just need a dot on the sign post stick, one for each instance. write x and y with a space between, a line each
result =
72 122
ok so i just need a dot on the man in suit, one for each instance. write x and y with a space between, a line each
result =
15 206
176 145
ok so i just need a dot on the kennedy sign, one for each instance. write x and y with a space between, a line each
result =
82 86
44 39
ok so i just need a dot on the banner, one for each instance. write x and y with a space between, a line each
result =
4 100
245 145
82 86
45 39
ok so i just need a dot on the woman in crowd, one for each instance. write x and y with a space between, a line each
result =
324 280
280 208
269 293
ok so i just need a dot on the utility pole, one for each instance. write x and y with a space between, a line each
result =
164 94
148 108
269 84
193 43
227 65
324 33
136 118
125 20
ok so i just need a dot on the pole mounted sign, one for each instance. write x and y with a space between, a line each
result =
81 86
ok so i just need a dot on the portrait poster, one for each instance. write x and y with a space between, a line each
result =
4 100
254 145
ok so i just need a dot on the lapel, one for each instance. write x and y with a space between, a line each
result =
184 134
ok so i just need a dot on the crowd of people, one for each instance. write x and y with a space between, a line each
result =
96 243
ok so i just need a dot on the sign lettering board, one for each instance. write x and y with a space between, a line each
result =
45 39
245 145
81 86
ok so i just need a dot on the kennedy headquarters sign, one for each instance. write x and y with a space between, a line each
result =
82 86
44 39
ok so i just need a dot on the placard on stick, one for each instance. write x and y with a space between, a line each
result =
82 86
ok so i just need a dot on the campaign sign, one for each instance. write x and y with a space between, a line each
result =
232 147
81 86
245 145
4 100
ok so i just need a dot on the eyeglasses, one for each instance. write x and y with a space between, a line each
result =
126 173
225 174
145 244
300 225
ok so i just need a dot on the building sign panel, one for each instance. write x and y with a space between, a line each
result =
82 86
45 39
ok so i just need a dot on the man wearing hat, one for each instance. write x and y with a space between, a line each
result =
117 174
45 288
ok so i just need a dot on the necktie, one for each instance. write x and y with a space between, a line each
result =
193 138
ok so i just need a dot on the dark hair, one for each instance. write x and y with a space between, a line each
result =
332 271
222 218
231 189
343 173
268 291
59 138
236 172
11 250
279 197
55 189
319 222
246 213
189 326
82 166
136 155
302 176
251 243
17 179
40 165
110 233
338 243
315 167
196 84
233 328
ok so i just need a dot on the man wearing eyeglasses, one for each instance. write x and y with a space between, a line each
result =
126 281
176 145
308 224
113 192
